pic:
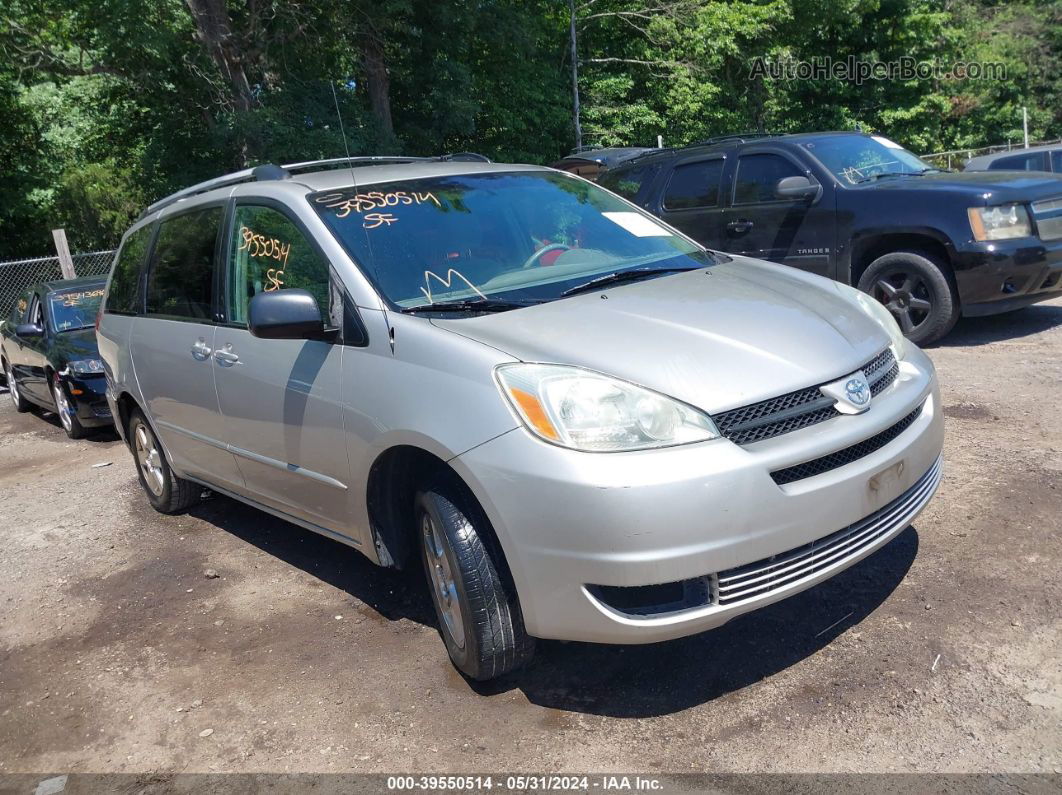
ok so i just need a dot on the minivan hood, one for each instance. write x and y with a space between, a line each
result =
994 187
716 338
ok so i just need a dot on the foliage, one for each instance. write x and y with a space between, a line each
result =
105 105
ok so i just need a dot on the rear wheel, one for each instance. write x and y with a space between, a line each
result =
916 289
166 492
65 409
21 404
479 616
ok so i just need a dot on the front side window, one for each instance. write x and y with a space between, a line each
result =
1056 161
182 268
694 185
758 175
269 252
863 158
514 236
75 309
21 307
124 294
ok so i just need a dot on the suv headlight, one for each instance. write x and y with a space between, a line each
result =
588 411
999 223
85 367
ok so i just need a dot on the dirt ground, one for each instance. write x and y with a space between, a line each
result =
942 652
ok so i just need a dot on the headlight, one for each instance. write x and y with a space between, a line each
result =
877 311
85 366
588 411
999 223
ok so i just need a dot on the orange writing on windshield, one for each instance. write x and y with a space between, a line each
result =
375 200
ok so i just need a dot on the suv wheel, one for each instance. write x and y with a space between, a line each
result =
918 292
166 492
479 616
21 404
67 414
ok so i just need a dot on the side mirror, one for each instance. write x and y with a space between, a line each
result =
289 314
28 330
795 188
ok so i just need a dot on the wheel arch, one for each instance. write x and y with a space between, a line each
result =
868 247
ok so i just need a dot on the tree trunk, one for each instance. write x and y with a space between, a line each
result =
214 30
379 84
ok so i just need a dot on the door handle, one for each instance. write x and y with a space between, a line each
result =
200 350
740 226
225 357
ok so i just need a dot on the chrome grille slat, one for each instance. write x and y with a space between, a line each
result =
794 410
756 579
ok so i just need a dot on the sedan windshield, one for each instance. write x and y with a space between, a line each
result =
517 237
75 309
859 158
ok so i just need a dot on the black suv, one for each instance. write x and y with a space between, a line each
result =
929 244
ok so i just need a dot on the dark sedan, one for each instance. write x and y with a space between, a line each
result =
49 355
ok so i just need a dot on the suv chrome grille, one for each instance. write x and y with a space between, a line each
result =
755 580
1048 214
846 456
794 410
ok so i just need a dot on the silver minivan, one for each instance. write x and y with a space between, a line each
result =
585 425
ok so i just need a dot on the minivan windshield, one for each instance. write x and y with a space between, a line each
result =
505 239
75 309
860 158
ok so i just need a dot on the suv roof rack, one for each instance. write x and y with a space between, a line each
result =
271 171
718 139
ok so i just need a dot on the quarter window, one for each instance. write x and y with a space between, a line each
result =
757 176
269 252
1027 162
1056 161
694 185
123 297
182 269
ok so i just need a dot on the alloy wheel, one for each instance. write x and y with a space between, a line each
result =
62 406
12 387
149 459
444 587
907 296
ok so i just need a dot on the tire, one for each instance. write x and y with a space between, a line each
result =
166 492
21 404
918 290
478 612
67 417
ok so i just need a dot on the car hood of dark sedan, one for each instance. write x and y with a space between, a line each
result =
716 337
70 346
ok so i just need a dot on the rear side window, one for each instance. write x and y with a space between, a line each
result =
694 185
182 267
123 297
1033 161
757 176
629 182
269 252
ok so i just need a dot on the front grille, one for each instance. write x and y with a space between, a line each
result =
846 456
755 580
1048 216
794 410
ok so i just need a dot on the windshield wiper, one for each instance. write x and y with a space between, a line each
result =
921 173
470 305
623 276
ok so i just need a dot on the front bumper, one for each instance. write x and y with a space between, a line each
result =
576 525
1007 274
88 395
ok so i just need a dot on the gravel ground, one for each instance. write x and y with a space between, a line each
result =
941 652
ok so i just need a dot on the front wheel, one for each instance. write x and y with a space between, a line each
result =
21 404
166 492
479 616
917 291
65 409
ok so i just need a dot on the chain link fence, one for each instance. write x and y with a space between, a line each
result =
17 275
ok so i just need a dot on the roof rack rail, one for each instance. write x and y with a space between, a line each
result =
271 171
718 139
